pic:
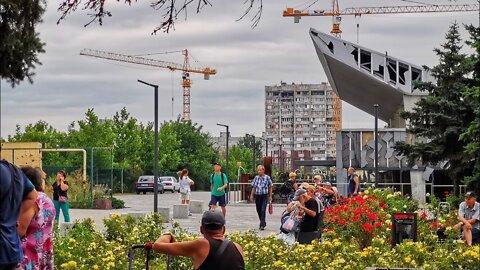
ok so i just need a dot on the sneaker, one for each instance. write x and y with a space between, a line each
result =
262 228
189 214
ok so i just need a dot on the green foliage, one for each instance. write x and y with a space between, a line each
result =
181 145
196 151
240 161
19 42
441 117
169 148
117 203
252 143
471 95
85 248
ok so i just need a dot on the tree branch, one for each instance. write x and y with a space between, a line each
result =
170 8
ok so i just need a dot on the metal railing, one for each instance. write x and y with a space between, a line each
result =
240 192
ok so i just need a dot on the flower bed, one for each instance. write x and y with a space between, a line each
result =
357 236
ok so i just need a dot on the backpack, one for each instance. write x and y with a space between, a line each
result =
16 180
223 178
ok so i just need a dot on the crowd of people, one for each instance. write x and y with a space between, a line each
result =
27 216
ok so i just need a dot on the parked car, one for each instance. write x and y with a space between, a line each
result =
170 183
145 184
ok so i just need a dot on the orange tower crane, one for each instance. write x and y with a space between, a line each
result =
185 68
335 13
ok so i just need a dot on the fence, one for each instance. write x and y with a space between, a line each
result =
240 192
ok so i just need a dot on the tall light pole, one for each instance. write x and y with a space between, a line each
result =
266 145
155 165
228 135
375 107
253 149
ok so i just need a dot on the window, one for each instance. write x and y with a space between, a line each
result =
365 60
392 71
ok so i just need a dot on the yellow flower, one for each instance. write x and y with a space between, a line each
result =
95 267
110 265
114 216
278 263
407 259
315 258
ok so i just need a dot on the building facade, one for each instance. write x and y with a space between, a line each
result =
301 121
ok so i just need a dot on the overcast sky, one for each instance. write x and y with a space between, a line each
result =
67 84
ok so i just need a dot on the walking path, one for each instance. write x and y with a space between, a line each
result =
240 217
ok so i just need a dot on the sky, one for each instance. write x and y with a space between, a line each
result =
67 84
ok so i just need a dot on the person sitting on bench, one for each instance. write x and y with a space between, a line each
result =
469 216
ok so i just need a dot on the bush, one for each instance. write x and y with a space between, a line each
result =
117 203
342 247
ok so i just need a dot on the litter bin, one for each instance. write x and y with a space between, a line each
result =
404 226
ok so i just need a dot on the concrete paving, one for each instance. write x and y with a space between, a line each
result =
240 217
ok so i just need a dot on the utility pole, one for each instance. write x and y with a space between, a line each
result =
375 107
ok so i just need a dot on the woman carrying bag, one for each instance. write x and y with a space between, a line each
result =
60 197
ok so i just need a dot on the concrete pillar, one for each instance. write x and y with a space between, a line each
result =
165 213
196 207
138 214
418 186
180 211
65 227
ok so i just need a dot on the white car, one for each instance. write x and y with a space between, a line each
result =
170 183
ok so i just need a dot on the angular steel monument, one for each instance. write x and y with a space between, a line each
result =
363 77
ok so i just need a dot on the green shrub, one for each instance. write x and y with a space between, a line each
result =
117 203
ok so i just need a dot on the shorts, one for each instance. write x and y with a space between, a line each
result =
475 233
218 199
186 196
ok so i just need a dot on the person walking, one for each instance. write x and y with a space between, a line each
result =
185 191
60 196
353 183
213 251
218 184
16 194
262 193
35 226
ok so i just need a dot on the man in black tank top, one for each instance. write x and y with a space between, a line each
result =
213 252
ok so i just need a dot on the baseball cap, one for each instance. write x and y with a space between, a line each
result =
216 163
327 183
213 219
299 193
470 194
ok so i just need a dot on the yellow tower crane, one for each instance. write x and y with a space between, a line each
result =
336 13
185 68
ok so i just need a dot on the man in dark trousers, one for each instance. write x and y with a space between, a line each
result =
214 251
16 194
262 193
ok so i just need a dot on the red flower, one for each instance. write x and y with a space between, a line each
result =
368 227
423 215
390 226
342 222
372 216
378 224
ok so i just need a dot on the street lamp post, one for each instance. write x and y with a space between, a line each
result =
155 165
266 145
375 107
228 135
253 148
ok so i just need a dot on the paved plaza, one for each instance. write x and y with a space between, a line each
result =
240 217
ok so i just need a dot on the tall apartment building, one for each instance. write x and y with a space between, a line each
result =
301 121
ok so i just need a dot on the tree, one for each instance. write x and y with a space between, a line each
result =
440 118
171 9
471 95
239 156
168 148
19 42
196 152
45 134
250 143
127 139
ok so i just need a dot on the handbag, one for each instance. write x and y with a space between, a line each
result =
62 199
270 208
183 191
290 225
